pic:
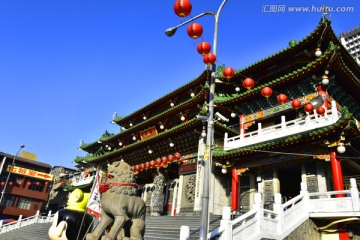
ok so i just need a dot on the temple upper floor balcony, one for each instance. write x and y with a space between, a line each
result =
83 179
284 129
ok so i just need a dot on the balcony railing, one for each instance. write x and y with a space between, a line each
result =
262 223
81 180
284 129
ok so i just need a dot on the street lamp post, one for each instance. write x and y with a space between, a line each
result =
8 176
210 123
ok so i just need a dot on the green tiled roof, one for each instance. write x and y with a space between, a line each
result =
273 82
142 125
289 49
167 96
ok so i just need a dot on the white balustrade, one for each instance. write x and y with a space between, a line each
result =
284 129
262 223
22 222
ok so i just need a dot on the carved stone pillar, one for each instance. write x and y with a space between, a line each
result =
157 197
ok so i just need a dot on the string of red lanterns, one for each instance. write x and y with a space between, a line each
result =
295 103
158 163
182 8
28 183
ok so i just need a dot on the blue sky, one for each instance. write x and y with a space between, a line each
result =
67 65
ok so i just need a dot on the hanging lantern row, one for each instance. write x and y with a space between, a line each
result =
62 182
295 103
158 163
182 8
20 183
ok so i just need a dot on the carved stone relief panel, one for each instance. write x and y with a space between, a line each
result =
268 194
188 193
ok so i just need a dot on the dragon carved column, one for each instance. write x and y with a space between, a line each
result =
157 197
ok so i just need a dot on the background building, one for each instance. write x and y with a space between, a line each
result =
24 186
351 41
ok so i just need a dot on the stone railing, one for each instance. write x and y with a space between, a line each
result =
81 180
284 129
285 218
22 222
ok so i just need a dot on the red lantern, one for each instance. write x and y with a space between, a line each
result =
132 167
62 182
266 92
2 184
158 161
164 160
37 184
142 166
137 167
308 107
182 8
171 158
29 184
147 165
203 48
177 156
296 103
152 163
11 183
248 83
229 72
320 110
46 183
195 30
209 58
282 98
20 183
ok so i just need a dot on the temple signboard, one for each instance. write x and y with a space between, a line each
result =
188 168
149 132
250 119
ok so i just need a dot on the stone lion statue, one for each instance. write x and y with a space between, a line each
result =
120 206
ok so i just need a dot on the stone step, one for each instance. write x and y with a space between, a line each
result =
157 228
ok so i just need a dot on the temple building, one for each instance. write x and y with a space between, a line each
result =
288 119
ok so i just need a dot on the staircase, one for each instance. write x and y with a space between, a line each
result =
36 231
157 228
168 227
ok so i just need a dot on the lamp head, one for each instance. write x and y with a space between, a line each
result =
317 101
170 31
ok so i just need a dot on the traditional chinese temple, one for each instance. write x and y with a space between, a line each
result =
288 119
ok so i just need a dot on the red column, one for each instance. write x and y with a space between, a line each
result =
241 120
234 190
336 173
322 92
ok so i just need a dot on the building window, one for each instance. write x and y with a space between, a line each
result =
8 201
24 203
37 187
